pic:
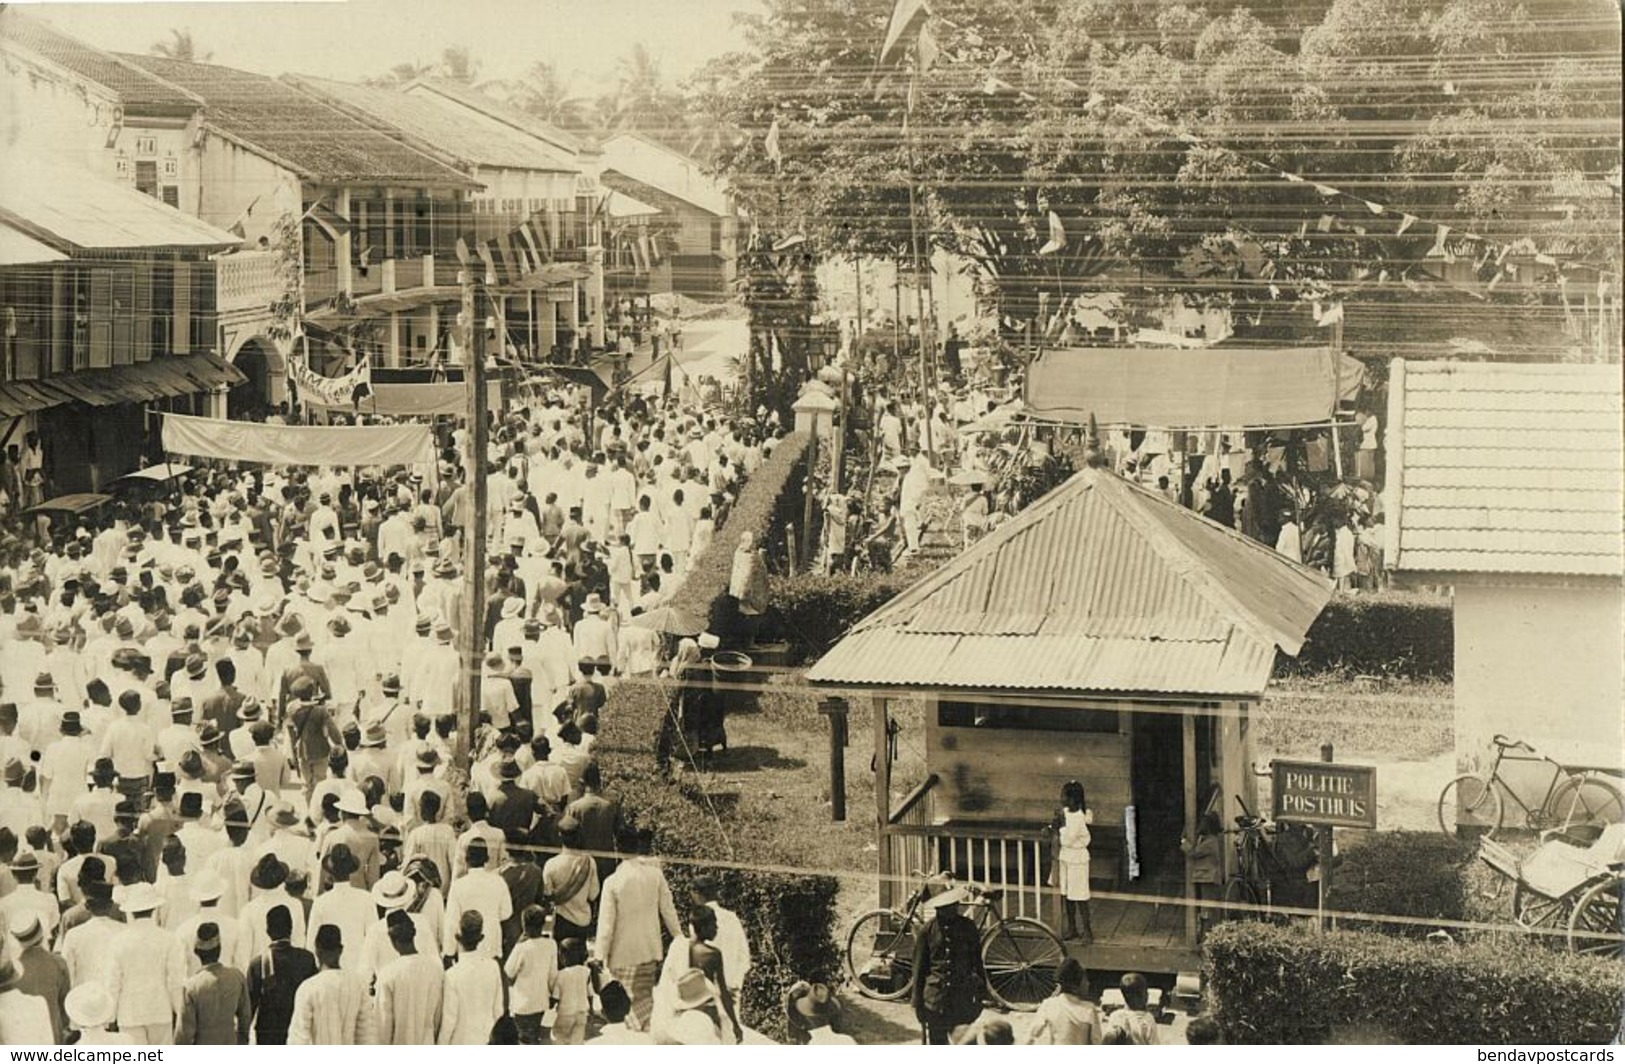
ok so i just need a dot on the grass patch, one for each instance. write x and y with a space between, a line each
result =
1370 719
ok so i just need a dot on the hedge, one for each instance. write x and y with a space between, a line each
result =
1392 634
1402 873
765 505
1273 985
1395 635
817 609
789 919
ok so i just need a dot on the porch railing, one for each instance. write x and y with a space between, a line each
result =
1006 858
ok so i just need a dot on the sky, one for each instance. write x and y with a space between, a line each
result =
353 39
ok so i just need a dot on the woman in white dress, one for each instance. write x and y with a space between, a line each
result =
1072 861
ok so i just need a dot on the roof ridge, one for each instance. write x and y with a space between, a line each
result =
1188 566
990 545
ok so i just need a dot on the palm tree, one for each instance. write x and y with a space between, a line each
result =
642 102
401 74
180 46
458 64
544 93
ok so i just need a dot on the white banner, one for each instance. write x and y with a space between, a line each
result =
245 441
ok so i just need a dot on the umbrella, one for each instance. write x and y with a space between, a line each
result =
995 420
668 619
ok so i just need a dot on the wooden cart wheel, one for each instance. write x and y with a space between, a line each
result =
1597 913
1535 910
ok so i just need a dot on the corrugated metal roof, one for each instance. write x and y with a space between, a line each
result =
135 87
1506 468
661 168
475 100
297 130
20 249
74 207
420 116
1100 586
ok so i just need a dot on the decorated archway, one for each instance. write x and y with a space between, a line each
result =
263 366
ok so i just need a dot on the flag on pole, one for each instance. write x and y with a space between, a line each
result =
1057 236
907 21
771 144
1330 316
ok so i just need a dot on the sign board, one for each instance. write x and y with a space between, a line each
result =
1324 793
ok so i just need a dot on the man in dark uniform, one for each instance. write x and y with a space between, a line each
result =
310 724
948 973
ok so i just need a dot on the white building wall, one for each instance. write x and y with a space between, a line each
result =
1542 665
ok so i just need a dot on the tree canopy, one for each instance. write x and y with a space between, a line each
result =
1226 153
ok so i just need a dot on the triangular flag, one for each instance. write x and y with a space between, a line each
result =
1374 208
1327 191
907 18
771 143
1439 238
1405 222
1057 236
1325 223
925 49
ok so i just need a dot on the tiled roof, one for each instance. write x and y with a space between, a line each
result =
1100 586
1498 467
303 133
475 100
134 87
420 116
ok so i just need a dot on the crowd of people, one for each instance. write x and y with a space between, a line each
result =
228 728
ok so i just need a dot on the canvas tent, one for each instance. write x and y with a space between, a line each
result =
1169 388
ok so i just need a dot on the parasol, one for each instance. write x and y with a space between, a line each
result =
668 619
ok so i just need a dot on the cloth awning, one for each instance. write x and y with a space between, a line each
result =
162 378
300 445
417 400
1175 389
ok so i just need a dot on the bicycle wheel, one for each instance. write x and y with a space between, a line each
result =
1470 809
1241 901
880 954
1584 805
1021 956
1598 913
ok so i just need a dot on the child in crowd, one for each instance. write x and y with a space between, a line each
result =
531 968
570 991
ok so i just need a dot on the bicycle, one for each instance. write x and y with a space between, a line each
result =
1250 884
1020 955
1579 804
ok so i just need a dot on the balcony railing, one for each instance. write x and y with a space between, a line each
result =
369 283
402 274
247 280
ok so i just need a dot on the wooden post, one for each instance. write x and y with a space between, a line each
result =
474 308
808 501
835 709
1188 740
1323 843
878 711
1337 395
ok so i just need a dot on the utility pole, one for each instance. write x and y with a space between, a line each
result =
473 324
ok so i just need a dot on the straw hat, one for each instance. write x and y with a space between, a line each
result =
392 892
89 1005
